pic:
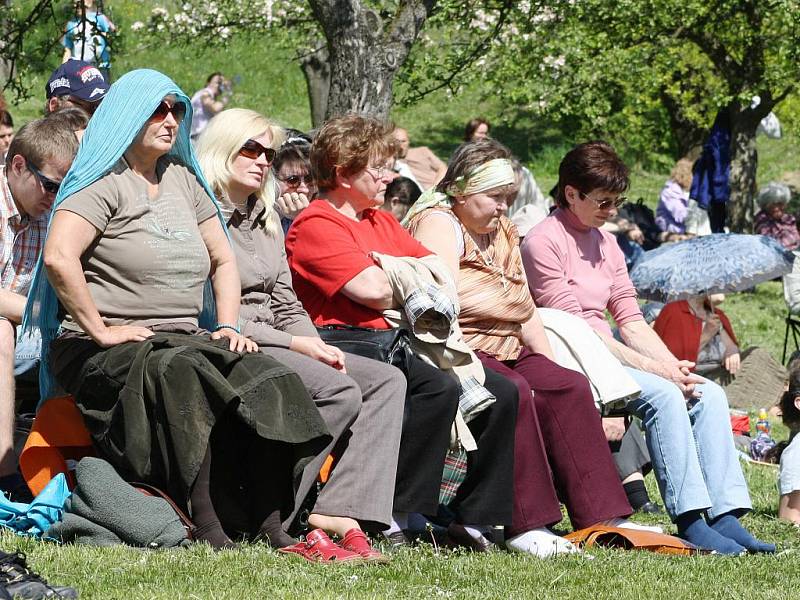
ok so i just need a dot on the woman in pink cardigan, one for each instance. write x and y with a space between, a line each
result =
573 265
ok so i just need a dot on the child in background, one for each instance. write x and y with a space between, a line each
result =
789 480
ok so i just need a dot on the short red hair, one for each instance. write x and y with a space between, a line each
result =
348 144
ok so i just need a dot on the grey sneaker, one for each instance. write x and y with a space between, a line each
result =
18 581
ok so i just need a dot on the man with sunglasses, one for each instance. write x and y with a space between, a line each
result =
38 159
75 83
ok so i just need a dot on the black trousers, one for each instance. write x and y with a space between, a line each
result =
431 405
485 496
717 215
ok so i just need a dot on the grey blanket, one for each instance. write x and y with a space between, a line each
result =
105 510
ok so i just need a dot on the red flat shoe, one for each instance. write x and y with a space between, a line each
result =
355 541
318 548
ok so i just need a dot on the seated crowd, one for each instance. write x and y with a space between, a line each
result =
200 292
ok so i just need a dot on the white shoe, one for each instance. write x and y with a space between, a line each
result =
626 524
541 542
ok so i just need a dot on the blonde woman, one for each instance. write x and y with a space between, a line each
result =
673 203
361 400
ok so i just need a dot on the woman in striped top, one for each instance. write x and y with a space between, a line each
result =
560 449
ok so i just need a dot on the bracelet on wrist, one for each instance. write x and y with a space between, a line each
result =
227 326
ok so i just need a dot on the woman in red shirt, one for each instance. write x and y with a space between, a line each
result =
698 331
329 248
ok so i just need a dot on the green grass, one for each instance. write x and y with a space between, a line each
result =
758 318
423 572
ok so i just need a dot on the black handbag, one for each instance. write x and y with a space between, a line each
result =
392 346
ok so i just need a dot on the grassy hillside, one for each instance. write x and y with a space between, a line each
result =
270 81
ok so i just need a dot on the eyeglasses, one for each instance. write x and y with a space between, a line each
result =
378 172
296 180
252 149
605 204
50 186
178 111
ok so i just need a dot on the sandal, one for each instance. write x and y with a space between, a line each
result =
356 541
318 548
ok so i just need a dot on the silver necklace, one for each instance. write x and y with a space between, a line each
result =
489 262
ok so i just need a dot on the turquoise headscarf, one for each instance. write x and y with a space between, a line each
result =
121 115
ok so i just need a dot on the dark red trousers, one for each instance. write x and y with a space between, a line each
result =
560 450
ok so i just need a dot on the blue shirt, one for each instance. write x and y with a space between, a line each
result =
87 40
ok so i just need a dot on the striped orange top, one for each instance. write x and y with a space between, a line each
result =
492 289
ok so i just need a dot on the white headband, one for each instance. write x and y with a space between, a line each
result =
489 175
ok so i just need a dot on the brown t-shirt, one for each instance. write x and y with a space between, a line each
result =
149 264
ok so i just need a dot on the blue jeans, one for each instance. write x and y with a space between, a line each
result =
28 352
694 459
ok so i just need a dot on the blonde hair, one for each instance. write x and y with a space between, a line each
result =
219 145
682 173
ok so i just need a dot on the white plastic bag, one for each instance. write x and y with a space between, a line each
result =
697 220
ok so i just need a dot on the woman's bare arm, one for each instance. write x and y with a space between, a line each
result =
437 234
789 507
370 288
226 283
534 337
69 237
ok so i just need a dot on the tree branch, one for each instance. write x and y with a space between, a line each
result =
448 81
716 52
783 95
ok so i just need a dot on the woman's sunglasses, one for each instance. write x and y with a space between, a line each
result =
605 204
50 186
252 150
296 180
178 111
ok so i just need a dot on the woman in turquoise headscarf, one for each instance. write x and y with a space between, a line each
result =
136 251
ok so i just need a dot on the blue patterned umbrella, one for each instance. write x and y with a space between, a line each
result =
721 262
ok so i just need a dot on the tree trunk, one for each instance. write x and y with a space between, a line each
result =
365 52
5 73
5 65
742 181
317 72
744 165
361 77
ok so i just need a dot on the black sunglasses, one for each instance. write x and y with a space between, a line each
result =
178 111
605 204
295 180
50 186
252 149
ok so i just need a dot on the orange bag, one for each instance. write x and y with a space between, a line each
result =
58 435
632 539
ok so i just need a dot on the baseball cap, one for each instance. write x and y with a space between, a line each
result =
77 78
